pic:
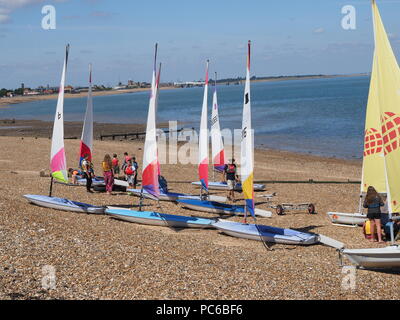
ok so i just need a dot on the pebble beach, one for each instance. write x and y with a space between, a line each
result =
97 257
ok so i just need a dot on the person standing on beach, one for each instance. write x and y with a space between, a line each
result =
125 162
374 202
136 165
108 173
130 173
115 164
87 169
230 175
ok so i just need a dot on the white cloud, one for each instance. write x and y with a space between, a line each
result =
319 30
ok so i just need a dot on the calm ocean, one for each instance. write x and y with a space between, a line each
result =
318 116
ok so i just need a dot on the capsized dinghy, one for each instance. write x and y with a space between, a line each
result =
221 208
265 233
172 196
158 219
214 185
63 204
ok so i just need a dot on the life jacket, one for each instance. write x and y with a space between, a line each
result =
129 170
231 168
367 230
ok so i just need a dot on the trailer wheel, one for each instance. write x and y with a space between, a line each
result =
311 209
279 210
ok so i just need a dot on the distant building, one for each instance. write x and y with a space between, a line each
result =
68 89
189 84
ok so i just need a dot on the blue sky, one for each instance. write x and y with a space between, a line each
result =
289 37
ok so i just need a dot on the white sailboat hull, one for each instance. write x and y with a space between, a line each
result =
158 219
387 257
353 219
172 196
213 185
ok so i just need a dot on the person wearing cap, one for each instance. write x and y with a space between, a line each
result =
231 177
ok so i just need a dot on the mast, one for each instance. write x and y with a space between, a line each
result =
58 166
247 156
203 139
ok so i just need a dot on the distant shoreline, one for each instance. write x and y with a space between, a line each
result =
4 102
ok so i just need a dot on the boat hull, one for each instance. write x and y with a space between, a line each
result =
265 233
347 218
387 257
172 196
97 181
158 219
212 185
220 208
63 204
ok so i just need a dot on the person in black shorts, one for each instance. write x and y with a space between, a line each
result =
374 202
230 175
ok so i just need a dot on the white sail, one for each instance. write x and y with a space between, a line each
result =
247 155
58 164
203 138
150 159
86 146
217 145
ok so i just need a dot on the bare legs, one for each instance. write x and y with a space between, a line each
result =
378 229
376 222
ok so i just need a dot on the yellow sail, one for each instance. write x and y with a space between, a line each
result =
388 85
373 161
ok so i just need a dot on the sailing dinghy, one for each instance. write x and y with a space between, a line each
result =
373 170
172 196
159 219
218 151
63 204
150 176
58 163
256 231
265 233
388 84
207 205
220 208
216 185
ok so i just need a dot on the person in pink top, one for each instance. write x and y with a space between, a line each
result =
115 164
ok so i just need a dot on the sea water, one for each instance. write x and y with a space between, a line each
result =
318 116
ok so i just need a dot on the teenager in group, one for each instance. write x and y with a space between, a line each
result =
108 173
130 173
136 165
74 175
374 202
115 164
231 177
87 170
125 162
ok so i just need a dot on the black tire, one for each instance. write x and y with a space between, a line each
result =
311 209
279 210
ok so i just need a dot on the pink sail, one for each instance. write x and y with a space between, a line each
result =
150 159
86 145
203 138
58 161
